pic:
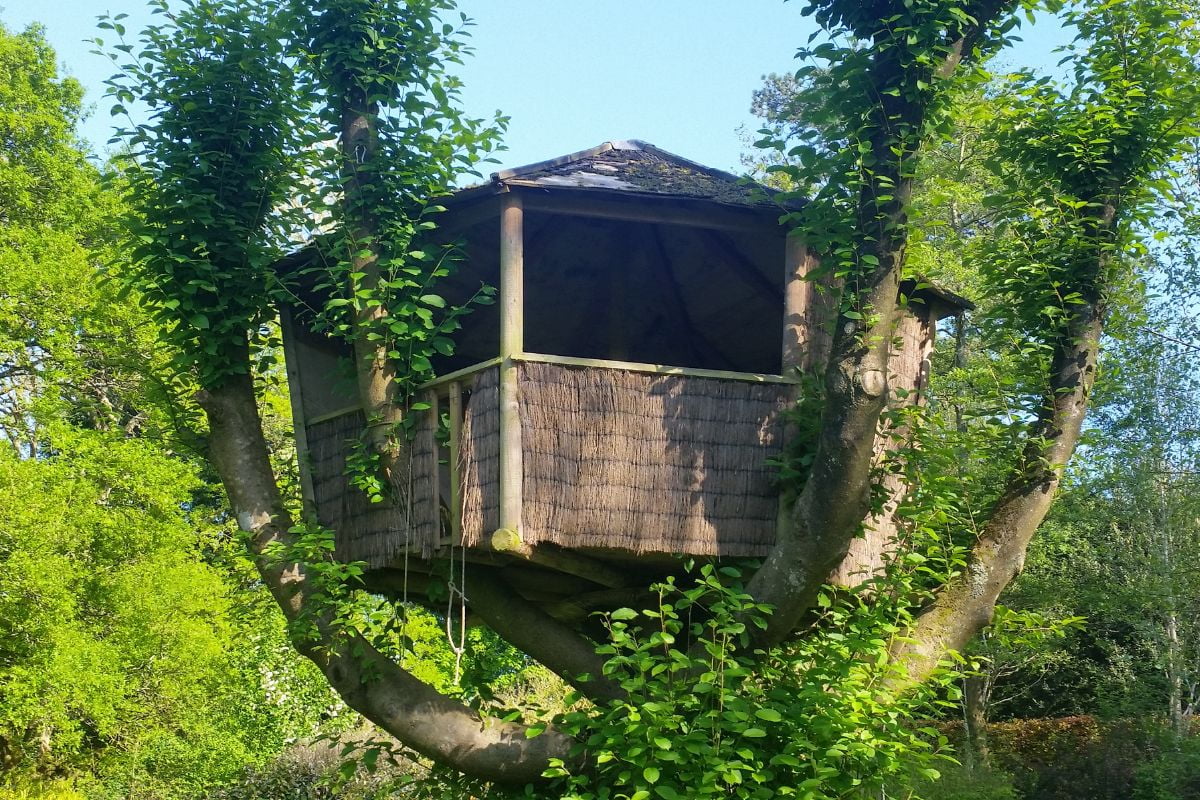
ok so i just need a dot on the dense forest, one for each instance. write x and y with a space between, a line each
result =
156 645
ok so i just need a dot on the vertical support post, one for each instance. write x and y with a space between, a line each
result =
512 302
291 360
797 334
435 483
797 346
456 418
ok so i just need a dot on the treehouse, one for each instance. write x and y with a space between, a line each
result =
620 405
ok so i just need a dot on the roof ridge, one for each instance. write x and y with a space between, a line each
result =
604 147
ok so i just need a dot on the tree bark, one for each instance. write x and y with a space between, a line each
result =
565 652
975 697
375 370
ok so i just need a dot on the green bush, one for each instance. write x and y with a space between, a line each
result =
959 782
1173 774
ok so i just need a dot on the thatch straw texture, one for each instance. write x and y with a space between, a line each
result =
376 533
632 461
480 459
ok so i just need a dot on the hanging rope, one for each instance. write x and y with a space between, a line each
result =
457 590
408 515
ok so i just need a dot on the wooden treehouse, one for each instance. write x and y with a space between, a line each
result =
617 408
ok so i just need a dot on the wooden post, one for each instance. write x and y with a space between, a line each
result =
796 292
797 344
435 487
456 418
512 343
291 360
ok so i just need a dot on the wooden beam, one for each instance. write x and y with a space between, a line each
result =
341 412
430 396
458 374
558 558
291 359
458 217
657 369
512 342
796 306
673 211
581 606
456 420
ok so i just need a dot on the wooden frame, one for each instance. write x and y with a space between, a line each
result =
657 369
291 359
512 336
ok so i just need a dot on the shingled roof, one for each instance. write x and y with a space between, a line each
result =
638 167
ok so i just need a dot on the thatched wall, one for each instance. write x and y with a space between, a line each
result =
480 459
611 460
376 533
633 461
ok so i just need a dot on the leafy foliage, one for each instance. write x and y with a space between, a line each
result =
209 178
857 156
1084 169
706 717
135 654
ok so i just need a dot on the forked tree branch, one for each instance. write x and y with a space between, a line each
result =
966 605
830 509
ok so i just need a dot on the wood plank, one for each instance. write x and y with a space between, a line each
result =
430 396
652 209
560 559
512 324
300 425
658 369
458 374
456 420
341 412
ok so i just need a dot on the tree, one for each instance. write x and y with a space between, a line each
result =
136 654
1078 167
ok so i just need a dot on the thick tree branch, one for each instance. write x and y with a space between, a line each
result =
561 649
836 498
373 685
967 604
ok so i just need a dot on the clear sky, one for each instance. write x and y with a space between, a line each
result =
570 73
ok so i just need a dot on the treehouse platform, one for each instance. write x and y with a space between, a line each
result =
621 405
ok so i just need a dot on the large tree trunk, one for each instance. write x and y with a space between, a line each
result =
834 502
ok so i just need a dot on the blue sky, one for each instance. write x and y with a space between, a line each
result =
571 74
